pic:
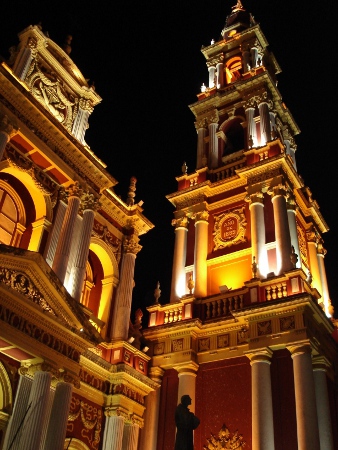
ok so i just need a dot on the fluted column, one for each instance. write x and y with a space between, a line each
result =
291 210
201 253
24 59
58 417
201 133
178 280
282 232
265 123
187 383
7 130
113 431
246 60
251 127
306 411
258 232
213 141
78 270
130 436
66 234
262 412
312 241
148 438
80 124
14 428
124 291
38 403
321 252
320 365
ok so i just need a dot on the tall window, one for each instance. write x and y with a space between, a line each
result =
8 218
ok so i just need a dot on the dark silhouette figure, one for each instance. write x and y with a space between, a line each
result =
186 423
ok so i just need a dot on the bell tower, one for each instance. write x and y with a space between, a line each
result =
244 212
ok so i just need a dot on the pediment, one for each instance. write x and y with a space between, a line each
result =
28 281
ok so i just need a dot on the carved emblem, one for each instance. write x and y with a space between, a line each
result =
264 327
225 439
203 344
302 245
177 345
287 323
230 228
223 341
159 348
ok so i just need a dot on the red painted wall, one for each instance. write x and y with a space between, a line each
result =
223 395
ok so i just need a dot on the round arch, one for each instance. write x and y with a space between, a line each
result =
6 395
234 133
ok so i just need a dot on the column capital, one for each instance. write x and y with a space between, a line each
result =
188 368
312 235
7 126
320 362
86 105
156 374
212 118
301 348
201 216
255 197
278 190
180 222
74 190
89 201
320 249
201 124
131 244
260 355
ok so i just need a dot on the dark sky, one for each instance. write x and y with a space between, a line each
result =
145 60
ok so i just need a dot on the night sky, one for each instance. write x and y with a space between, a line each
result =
144 58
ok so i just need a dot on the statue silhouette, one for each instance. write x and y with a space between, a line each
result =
186 423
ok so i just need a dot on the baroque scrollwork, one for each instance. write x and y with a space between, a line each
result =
49 90
23 285
87 418
225 439
230 228
102 232
180 222
131 244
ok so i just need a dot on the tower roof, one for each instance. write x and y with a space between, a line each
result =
238 20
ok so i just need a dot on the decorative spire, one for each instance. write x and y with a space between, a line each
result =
238 7
131 193
157 292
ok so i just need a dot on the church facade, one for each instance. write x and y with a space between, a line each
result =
248 333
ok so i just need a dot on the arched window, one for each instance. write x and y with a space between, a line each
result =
12 216
233 69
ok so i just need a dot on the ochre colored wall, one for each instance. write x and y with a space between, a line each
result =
233 273
223 395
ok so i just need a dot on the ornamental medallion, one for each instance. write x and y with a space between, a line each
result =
230 228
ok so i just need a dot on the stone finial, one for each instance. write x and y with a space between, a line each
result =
254 267
293 256
184 168
131 193
67 44
191 284
157 292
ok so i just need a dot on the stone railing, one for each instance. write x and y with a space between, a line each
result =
222 305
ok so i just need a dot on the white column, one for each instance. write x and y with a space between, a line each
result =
187 384
321 252
24 59
246 60
113 432
58 417
124 291
262 412
213 145
130 436
178 280
258 232
148 438
14 428
265 123
306 411
282 232
291 209
201 253
78 270
251 127
220 75
254 56
7 130
65 238
312 241
212 71
323 404
36 416
55 233
201 132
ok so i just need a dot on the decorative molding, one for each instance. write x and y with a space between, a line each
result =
226 440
